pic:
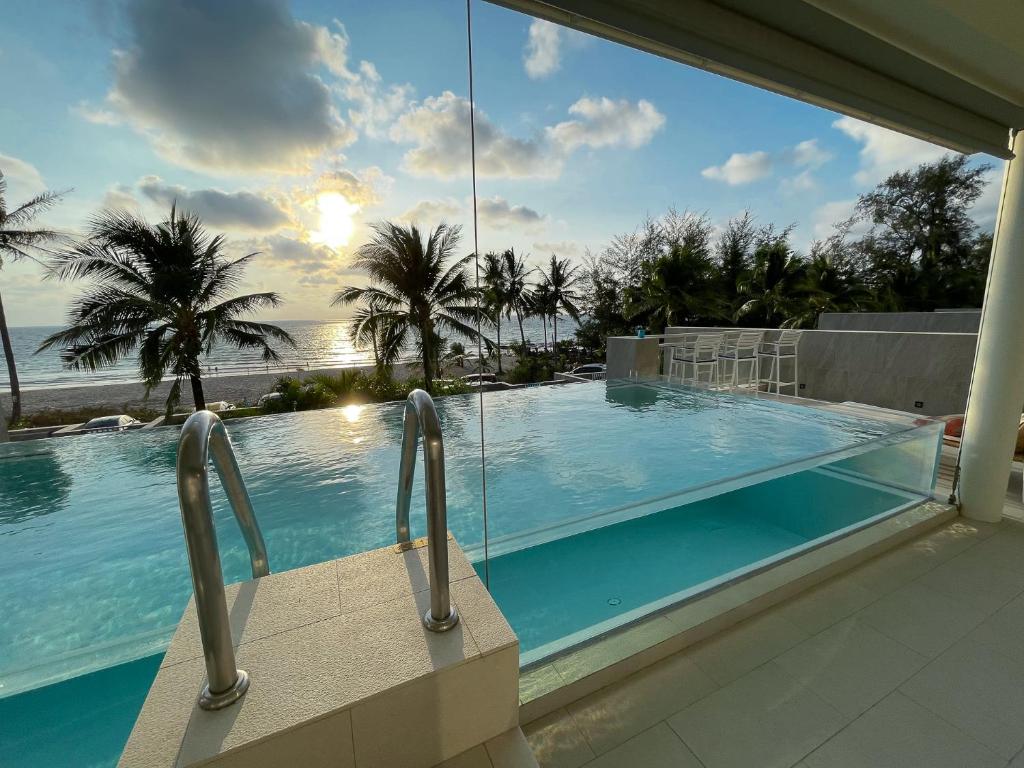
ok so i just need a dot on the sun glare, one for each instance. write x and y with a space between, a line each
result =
336 219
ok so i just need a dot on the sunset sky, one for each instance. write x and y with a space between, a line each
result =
292 126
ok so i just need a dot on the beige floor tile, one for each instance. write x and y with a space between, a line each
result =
734 653
1004 630
472 758
897 733
822 606
852 666
978 690
510 750
658 747
893 570
557 742
922 619
614 714
974 579
1005 549
765 719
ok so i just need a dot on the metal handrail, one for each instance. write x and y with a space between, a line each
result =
203 434
421 417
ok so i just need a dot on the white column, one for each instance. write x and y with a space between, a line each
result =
997 384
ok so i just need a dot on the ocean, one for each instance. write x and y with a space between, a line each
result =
319 344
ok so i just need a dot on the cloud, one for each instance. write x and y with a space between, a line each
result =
439 130
376 106
232 210
741 168
23 179
362 188
884 152
96 115
559 248
500 214
606 123
826 216
542 55
747 167
230 86
985 207
430 213
120 196
802 182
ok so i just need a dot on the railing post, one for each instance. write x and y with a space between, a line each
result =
421 417
225 682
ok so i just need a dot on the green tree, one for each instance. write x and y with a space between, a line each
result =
161 290
414 290
517 289
19 240
676 289
542 303
495 295
923 242
774 287
560 281
735 259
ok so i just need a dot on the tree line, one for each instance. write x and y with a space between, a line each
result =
164 292
919 250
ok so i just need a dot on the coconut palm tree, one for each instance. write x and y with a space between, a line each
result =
517 291
561 280
19 241
495 294
776 285
414 290
161 291
542 301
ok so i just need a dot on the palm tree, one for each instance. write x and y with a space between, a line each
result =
161 290
561 280
676 289
17 242
495 294
414 289
776 285
542 302
517 292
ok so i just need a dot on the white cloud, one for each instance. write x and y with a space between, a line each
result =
985 207
802 182
120 196
232 210
807 154
542 55
229 86
828 215
559 248
363 188
430 213
376 106
438 127
606 123
747 167
741 168
884 152
497 212
96 115
23 179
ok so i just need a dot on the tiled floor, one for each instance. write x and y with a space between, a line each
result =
915 658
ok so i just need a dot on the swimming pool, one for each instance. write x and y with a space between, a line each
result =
93 566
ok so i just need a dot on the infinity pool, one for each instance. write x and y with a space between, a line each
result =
691 486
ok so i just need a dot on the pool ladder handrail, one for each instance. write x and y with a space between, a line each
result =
421 418
204 433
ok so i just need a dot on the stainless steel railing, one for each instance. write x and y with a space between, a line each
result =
203 434
421 417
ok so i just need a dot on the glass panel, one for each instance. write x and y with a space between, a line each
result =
291 128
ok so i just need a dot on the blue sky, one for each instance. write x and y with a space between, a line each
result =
292 126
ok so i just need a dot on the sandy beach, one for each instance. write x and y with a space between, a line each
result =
240 390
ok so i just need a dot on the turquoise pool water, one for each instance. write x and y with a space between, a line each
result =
692 485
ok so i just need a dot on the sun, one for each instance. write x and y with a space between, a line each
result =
336 220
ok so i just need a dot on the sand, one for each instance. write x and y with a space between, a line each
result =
240 390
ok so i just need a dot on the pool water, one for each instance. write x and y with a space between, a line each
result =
604 500
611 575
